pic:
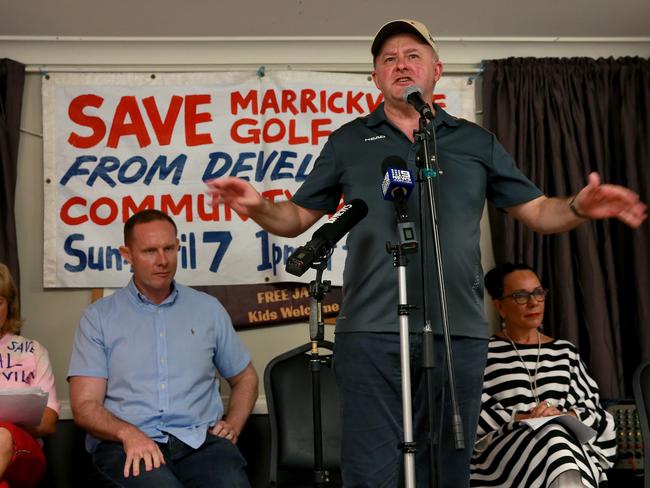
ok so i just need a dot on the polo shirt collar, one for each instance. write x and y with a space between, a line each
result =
378 117
443 117
142 299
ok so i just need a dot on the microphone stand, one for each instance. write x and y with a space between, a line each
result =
317 291
428 172
407 244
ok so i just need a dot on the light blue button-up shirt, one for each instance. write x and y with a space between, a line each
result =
160 361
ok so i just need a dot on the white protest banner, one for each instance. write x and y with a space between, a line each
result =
118 143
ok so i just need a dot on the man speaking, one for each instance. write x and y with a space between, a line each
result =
475 167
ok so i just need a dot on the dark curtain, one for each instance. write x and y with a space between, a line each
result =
12 82
562 119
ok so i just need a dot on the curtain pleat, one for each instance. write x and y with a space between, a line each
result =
12 81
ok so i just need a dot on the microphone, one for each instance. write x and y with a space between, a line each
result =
398 182
323 240
396 187
413 96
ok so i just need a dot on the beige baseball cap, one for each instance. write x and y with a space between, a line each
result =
398 27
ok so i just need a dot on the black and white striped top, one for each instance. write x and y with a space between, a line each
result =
510 454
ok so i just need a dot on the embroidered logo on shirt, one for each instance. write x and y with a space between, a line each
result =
374 138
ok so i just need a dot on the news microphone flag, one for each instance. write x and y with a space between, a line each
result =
397 182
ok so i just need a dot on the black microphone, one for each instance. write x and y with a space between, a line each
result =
323 240
398 181
413 96
396 187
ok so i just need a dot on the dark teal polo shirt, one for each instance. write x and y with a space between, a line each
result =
475 166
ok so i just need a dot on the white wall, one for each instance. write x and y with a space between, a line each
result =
52 315
602 18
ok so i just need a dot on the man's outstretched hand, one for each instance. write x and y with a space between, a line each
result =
603 201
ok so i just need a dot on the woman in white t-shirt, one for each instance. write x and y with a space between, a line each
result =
24 363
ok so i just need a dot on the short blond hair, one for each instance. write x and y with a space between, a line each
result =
9 291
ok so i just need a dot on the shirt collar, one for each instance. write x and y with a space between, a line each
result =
378 117
142 299
443 117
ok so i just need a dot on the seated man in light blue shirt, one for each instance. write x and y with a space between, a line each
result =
143 374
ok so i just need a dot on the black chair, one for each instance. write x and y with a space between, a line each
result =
641 386
288 385
68 463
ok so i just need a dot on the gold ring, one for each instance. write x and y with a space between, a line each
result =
548 404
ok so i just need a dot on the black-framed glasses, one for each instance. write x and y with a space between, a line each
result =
521 296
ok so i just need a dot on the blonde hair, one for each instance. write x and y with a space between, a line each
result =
8 290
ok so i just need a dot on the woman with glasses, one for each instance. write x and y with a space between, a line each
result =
531 377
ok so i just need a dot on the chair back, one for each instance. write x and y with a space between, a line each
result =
288 386
641 386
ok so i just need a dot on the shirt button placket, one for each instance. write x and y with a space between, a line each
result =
163 373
